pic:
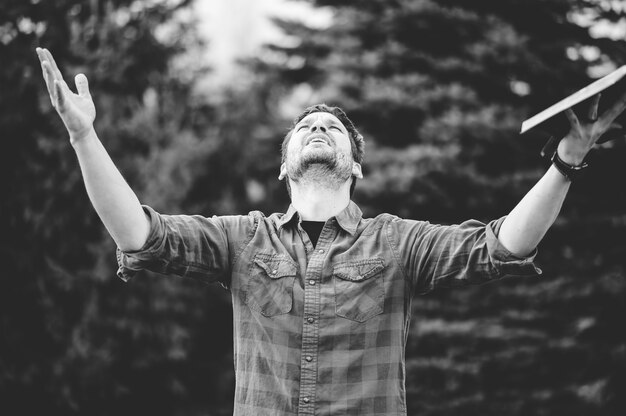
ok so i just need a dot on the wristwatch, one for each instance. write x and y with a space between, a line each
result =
570 172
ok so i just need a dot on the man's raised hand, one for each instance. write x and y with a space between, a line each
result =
77 111
585 132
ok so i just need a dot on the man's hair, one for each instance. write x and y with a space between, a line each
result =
357 144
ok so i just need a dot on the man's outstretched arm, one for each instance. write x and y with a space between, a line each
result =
529 221
114 201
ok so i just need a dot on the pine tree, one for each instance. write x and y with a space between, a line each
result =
74 339
439 89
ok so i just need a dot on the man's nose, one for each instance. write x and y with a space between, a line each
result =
318 126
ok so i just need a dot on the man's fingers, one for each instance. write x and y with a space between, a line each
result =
615 126
45 74
573 120
593 110
40 54
610 136
614 132
49 78
50 70
82 85
612 113
53 64
60 95
550 147
45 57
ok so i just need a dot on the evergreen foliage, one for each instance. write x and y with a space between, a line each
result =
74 339
439 89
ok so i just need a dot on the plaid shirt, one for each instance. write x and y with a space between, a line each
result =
322 330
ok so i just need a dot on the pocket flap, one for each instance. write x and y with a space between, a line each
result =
357 271
276 266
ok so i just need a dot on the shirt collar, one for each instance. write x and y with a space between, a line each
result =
348 219
287 217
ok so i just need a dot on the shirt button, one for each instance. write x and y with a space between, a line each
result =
274 271
306 400
310 320
320 251
308 358
312 282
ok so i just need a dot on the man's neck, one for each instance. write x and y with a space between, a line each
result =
316 202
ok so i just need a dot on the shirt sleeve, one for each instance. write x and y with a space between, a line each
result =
188 246
454 255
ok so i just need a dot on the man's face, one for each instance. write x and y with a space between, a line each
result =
320 144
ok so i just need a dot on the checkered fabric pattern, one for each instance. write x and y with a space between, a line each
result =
322 330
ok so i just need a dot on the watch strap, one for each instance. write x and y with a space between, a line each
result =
570 172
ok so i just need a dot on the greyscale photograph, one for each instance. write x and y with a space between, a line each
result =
313 208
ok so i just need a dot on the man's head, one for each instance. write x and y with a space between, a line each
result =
323 140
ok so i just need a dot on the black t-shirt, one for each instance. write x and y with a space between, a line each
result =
313 230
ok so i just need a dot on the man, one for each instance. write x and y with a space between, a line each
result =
321 296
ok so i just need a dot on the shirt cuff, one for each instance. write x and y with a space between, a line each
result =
506 262
132 261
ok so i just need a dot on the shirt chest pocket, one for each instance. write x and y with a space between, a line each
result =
270 284
359 289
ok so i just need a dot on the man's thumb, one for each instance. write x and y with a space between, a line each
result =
82 85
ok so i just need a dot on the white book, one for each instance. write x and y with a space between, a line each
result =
544 118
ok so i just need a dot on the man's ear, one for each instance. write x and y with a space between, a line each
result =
356 170
283 172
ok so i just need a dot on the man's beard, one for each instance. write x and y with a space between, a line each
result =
323 168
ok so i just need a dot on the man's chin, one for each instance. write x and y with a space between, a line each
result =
318 156
312 165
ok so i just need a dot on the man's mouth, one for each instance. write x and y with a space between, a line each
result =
318 139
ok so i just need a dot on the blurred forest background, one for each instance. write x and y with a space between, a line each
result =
438 88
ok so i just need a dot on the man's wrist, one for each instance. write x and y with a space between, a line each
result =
570 158
77 138
569 171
